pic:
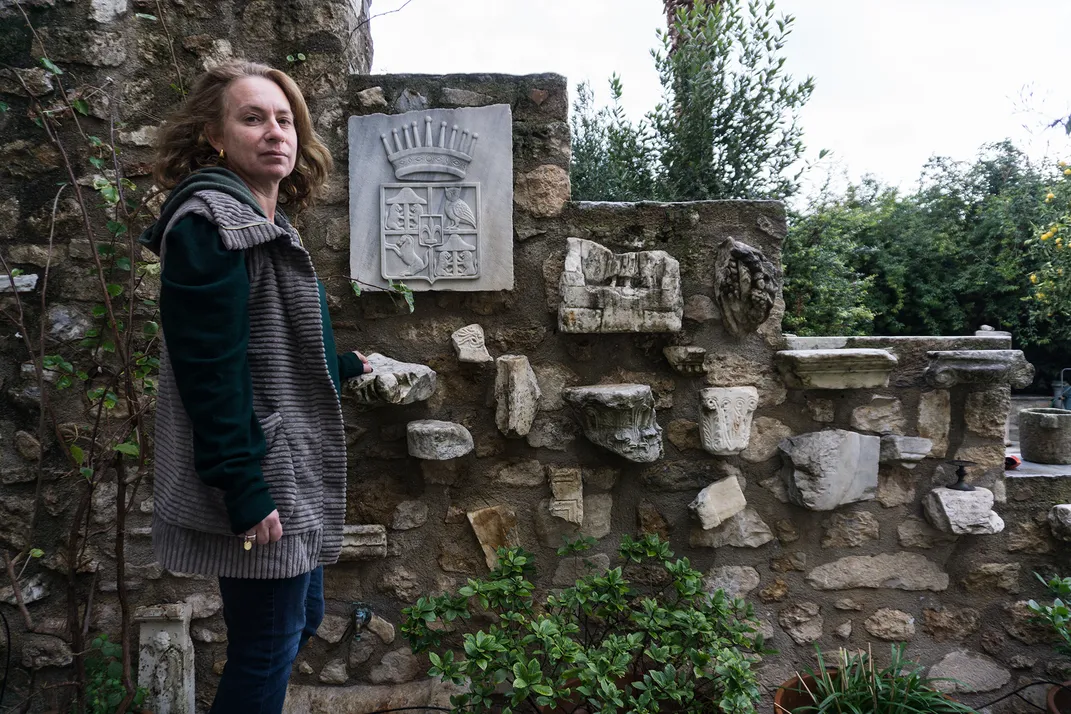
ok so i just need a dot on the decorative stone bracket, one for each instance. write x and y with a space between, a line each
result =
962 512
363 542
620 418
856 368
392 382
980 367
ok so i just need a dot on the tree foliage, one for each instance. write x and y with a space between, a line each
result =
727 125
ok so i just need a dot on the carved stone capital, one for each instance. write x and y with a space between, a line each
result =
620 418
725 425
391 382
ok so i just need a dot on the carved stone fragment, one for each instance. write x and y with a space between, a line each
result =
392 382
620 418
745 286
1060 521
438 440
469 344
686 359
725 427
495 527
854 368
826 469
904 450
1045 435
962 512
165 659
602 291
516 395
982 367
718 502
567 494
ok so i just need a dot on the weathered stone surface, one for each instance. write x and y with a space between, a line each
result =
438 440
551 432
986 412
516 395
470 344
725 368
859 368
983 367
35 80
452 96
553 378
402 583
826 469
334 672
735 580
372 98
522 474
1045 435
542 191
204 605
847 603
425 692
430 204
37 255
725 425
620 418
685 359
28 446
883 415
904 450
66 323
495 527
40 651
570 569
392 382
916 533
567 494
1060 521
951 623
935 417
802 621
987 577
25 159
33 589
718 502
142 136
100 49
409 515
684 434
650 521
793 562
21 284
962 512
363 542
104 11
383 629
1023 625
746 285
700 308
744 530
844 630
766 434
891 625
332 628
850 530
1027 537
397 667
822 410
602 291
966 671
896 486
776 591
899 571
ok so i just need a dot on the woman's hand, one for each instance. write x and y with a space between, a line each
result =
364 362
267 531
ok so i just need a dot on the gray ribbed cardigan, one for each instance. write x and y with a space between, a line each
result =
295 402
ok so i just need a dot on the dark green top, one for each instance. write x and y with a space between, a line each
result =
204 310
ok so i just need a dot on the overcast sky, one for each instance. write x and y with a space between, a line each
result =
896 82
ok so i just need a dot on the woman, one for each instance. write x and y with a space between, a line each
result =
250 481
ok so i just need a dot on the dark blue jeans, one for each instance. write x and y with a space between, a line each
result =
268 621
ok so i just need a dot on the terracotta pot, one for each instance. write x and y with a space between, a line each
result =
793 695
1060 699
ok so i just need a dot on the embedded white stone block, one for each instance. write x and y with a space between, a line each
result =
962 512
516 395
470 345
725 424
904 450
861 368
438 440
718 502
165 658
826 469
363 542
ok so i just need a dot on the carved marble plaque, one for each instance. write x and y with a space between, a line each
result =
431 199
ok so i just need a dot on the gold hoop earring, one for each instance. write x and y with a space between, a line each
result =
221 153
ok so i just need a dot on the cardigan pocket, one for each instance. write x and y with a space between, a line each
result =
277 466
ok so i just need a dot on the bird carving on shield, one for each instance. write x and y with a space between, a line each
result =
456 210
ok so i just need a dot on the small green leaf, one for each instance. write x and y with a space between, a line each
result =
290 58
81 106
16 272
4 106
95 141
87 473
150 329
123 264
99 311
128 448
116 228
301 56
97 163
50 66
36 552
145 16
356 288
115 289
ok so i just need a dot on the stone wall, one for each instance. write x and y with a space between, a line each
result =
869 569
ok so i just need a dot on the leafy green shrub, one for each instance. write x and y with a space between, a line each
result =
855 686
600 644
1058 614
104 678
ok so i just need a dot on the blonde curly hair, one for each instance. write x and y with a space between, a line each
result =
182 145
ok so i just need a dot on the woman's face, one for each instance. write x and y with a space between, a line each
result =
258 135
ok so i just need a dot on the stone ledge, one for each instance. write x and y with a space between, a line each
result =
849 368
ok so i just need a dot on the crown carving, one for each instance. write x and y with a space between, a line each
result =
443 159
